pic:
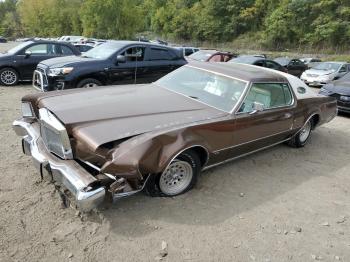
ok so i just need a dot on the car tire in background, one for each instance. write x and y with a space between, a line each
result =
179 176
89 82
301 138
8 76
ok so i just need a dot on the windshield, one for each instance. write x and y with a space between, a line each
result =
202 55
210 88
328 66
15 49
103 51
244 59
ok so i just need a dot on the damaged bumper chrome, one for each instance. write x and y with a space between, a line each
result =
66 173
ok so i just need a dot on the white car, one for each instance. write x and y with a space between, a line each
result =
325 72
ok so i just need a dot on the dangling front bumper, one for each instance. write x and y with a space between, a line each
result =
67 173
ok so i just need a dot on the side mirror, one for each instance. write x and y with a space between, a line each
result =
28 53
120 59
257 107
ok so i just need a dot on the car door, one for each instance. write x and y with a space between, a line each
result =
255 129
38 52
159 61
124 72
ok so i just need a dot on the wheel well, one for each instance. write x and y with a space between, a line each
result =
315 120
100 79
201 152
2 67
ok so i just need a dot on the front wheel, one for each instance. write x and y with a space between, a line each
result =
8 77
179 177
301 138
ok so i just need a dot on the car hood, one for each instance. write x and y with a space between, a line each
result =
341 88
66 61
317 72
105 114
5 56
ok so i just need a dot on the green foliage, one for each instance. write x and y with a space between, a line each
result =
275 24
110 18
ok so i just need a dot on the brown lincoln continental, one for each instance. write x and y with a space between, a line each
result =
109 142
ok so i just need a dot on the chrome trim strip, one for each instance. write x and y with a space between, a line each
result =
183 150
126 194
98 169
251 141
243 155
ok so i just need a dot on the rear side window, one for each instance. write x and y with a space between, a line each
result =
160 54
188 51
40 49
272 65
270 95
65 50
133 54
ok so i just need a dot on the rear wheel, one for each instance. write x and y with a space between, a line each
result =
301 138
179 177
89 82
8 77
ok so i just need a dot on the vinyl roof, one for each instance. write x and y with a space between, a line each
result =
242 71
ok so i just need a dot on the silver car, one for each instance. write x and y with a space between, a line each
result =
325 72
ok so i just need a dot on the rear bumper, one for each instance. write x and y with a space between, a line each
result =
66 173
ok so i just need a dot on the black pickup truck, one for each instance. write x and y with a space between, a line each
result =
114 62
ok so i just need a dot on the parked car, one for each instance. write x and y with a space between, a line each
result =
3 39
258 61
83 47
159 137
115 62
20 62
340 89
206 55
294 66
325 73
310 62
71 38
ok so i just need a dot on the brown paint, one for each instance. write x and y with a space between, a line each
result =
135 130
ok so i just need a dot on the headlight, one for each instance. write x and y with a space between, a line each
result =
60 71
27 110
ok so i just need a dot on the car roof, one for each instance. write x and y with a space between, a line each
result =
240 71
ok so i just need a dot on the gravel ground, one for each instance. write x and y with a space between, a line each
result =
282 204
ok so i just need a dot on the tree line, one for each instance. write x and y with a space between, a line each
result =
272 23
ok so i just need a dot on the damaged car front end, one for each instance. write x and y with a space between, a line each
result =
46 140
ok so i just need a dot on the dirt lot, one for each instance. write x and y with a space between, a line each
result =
285 190
282 204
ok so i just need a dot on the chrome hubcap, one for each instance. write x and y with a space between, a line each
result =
305 132
89 85
8 77
176 178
